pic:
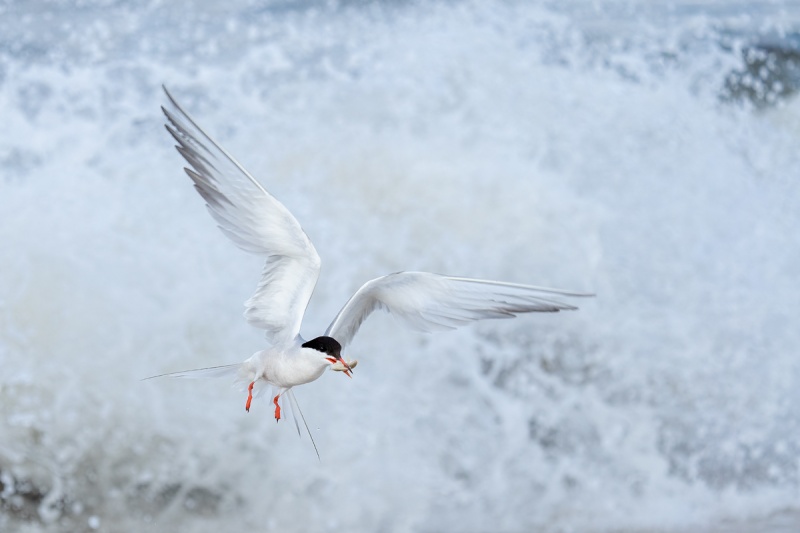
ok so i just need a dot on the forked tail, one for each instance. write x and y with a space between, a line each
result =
237 370
210 372
294 406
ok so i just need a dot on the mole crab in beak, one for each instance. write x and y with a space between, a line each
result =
340 365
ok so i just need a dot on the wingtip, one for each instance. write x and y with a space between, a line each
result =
172 101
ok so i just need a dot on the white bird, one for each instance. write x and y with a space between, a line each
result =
258 223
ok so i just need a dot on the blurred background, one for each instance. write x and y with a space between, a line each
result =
645 151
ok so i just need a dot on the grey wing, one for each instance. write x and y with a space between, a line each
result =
254 220
430 302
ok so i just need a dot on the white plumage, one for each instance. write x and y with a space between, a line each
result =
432 302
258 223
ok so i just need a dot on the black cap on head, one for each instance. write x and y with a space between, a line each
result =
326 345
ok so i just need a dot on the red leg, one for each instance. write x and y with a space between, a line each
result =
277 408
249 396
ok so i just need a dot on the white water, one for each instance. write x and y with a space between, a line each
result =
562 146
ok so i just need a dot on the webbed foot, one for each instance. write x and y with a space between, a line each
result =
277 408
249 396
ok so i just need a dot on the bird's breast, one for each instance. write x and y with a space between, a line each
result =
290 370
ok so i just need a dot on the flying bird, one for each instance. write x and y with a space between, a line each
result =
258 223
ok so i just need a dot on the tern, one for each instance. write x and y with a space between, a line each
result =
258 223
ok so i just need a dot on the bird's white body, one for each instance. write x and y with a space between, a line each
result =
284 367
258 223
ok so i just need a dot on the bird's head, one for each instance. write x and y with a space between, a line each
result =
331 351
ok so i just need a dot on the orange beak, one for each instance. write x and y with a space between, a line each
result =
349 371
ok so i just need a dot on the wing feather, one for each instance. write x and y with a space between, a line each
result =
256 222
430 302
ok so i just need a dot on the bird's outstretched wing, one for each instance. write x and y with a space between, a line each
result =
256 222
430 302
